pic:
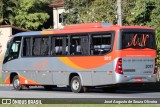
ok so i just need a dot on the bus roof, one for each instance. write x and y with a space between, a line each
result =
81 28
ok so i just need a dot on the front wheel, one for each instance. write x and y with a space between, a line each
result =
16 83
76 85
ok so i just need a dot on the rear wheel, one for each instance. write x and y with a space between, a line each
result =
16 83
76 85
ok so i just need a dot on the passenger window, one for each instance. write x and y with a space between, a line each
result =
79 45
26 46
100 44
75 47
59 45
44 47
40 46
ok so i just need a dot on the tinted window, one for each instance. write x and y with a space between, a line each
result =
59 46
40 46
138 40
100 44
79 45
26 46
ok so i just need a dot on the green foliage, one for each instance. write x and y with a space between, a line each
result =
84 11
6 12
28 14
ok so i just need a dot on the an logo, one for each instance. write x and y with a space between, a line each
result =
137 42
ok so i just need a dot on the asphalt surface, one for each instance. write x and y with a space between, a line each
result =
40 92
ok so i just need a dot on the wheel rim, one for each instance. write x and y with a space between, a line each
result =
75 84
16 83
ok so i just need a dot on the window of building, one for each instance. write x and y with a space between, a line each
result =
100 44
60 18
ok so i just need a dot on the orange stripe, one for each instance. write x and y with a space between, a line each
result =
88 62
47 32
67 61
7 80
30 82
138 53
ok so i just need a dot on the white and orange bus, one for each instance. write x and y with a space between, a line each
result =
81 56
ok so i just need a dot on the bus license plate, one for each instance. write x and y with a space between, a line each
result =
138 79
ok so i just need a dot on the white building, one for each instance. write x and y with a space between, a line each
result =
58 9
6 32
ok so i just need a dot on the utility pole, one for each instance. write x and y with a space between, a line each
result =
119 13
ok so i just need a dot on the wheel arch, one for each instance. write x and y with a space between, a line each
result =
75 74
12 75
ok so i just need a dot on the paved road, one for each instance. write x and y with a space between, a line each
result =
39 92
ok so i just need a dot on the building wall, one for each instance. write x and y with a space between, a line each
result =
56 12
5 34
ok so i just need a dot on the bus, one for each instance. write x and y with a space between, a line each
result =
81 56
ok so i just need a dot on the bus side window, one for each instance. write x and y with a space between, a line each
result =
44 46
36 46
75 47
40 46
85 45
79 45
26 46
59 45
53 50
100 44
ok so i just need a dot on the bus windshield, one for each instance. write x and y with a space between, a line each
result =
138 40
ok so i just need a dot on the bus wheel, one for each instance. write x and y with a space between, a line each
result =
76 85
16 83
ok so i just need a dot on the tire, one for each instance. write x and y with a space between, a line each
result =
16 83
76 85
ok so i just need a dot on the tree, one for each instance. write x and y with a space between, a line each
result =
32 14
141 12
6 11
127 11
84 11
28 14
